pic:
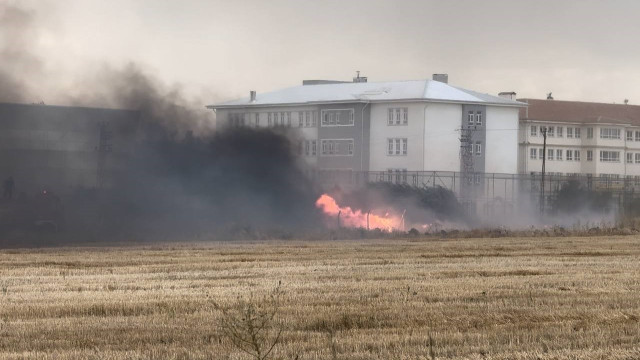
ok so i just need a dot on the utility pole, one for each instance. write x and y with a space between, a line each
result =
544 159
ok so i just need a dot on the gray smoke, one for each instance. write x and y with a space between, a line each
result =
17 62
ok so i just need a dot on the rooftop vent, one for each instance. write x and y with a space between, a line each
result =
252 95
443 78
511 95
359 79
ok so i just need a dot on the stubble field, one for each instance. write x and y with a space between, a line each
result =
508 298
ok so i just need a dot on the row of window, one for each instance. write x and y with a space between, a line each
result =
308 147
574 132
555 154
337 117
574 155
633 157
631 137
474 118
398 116
397 146
337 147
558 131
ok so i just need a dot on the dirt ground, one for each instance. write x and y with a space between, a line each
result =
502 298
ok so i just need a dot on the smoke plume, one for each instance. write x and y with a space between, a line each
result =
182 178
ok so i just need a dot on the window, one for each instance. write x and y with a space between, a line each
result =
479 118
314 145
307 146
551 131
269 120
477 148
569 152
470 117
257 119
609 133
397 146
609 156
577 133
637 158
337 117
559 131
589 133
477 179
282 120
558 154
334 147
629 158
534 130
576 155
637 135
300 119
398 116
569 132
550 154
589 155
533 153
629 135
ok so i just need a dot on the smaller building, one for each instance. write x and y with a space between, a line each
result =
590 138
63 147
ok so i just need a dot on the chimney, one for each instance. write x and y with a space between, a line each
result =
511 95
252 95
443 78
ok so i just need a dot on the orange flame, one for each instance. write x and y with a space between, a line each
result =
357 218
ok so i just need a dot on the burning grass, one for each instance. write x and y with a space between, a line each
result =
503 298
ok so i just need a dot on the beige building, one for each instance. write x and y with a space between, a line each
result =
596 139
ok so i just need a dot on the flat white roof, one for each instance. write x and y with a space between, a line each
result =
417 90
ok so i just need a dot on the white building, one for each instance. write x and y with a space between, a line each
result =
582 138
392 127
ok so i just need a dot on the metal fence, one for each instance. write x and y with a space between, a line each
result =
488 192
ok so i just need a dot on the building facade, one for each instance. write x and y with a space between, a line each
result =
596 139
347 128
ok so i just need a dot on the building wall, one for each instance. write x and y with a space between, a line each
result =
478 134
502 140
441 138
381 132
596 144
357 132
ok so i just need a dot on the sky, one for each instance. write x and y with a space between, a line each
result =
219 50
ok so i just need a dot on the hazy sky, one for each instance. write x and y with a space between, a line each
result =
580 50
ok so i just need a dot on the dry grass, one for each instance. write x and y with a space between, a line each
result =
507 298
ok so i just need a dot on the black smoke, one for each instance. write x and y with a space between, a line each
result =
234 180
182 178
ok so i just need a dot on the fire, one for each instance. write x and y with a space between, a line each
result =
357 218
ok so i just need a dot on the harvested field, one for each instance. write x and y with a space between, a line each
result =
506 298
